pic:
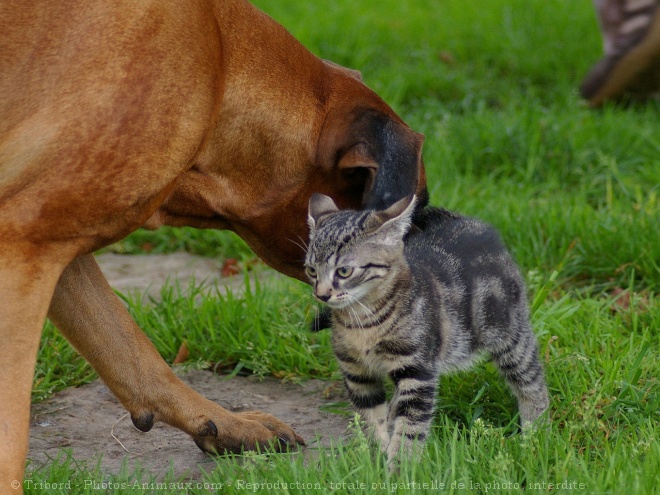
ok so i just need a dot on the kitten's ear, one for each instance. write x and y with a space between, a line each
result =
402 208
319 205
394 222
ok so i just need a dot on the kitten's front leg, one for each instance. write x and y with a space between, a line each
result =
367 394
411 409
376 418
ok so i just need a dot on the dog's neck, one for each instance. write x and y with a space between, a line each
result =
284 124
284 81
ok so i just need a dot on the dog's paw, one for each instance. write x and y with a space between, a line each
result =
252 430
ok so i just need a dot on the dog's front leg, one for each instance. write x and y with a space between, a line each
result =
95 321
28 275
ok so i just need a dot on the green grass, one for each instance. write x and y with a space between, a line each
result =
574 192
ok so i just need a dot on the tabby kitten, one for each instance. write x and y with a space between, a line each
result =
415 302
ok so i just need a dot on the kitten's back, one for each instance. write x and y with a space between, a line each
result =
447 240
464 237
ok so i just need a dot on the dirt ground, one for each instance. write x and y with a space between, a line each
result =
91 422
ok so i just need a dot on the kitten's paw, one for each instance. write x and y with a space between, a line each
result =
376 419
534 413
541 422
403 446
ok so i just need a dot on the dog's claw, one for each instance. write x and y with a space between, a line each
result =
285 441
282 443
208 430
206 436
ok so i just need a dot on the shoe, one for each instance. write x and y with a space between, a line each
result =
631 69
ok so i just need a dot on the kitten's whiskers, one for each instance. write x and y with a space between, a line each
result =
302 244
368 312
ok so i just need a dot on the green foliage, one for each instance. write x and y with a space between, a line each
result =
212 243
263 331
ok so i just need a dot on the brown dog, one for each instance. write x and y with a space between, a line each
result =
117 115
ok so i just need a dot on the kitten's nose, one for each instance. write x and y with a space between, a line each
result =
323 297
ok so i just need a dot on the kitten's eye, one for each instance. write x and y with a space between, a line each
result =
344 271
310 271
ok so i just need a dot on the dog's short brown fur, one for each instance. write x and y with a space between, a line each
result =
117 115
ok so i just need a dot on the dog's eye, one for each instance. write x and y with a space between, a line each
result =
344 271
310 271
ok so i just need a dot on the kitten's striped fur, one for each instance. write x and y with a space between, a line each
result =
414 303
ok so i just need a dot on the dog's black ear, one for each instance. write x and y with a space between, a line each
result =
378 156
398 152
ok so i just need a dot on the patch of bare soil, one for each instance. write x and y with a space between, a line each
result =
145 275
93 424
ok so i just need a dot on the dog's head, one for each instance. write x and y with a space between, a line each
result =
365 155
